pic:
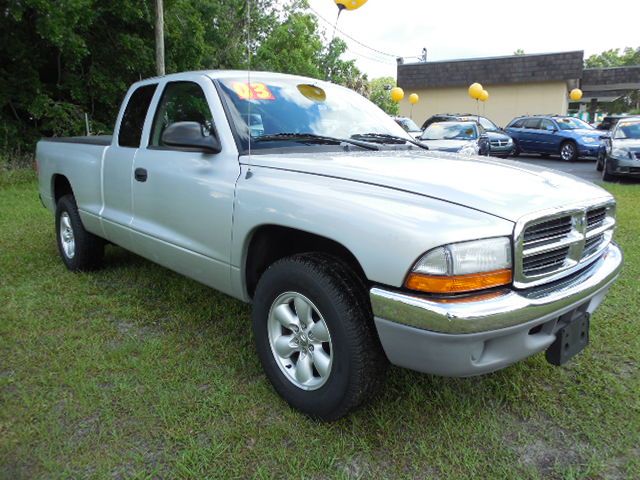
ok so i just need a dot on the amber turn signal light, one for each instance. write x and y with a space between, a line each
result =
458 283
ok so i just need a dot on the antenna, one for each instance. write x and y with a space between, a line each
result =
249 71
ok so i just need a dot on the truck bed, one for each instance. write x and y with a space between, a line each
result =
103 140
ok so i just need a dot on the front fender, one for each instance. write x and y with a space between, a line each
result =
386 229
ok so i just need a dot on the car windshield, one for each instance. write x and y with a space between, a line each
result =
628 130
408 124
487 124
572 123
450 131
280 109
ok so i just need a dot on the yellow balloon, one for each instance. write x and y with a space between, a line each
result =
576 94
475 89
397 94
350 4
484 96
414 98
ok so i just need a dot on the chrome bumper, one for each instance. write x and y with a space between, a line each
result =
481 336
513 307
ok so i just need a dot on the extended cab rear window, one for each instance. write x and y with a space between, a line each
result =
130 132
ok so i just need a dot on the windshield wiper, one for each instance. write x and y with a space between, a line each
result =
313 138
389 139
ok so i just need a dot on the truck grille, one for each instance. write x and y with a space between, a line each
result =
595 218
499 143
544 262
555 245
547 232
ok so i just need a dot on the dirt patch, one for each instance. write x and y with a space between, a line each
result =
541 444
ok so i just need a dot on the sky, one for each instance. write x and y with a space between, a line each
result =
455 29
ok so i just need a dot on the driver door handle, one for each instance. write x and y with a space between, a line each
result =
140 174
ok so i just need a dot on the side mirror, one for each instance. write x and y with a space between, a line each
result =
551 129
190 136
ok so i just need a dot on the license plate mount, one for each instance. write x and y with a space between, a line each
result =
570 340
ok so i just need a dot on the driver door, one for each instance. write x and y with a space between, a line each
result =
183 200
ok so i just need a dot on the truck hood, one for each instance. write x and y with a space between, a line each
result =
503 188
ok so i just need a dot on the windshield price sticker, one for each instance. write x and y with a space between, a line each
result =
252 91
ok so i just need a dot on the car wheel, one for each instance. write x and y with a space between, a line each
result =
315 335
516 151
80 250
599 163
606 176
568 151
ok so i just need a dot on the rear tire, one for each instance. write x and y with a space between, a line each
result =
79 249
328 373
599 163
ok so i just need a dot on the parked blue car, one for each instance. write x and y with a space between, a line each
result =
569 137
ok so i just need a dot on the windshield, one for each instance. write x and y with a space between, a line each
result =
450 131
408 124
295 105
571 123
487 124
628 130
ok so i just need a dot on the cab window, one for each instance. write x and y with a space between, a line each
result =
130 132
180 102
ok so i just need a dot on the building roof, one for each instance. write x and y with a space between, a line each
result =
613 78
492 70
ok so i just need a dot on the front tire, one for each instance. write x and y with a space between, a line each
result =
606 176
80 250
568 151
315 336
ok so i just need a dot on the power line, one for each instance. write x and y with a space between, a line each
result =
332 25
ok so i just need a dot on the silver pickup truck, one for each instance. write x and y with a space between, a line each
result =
356 246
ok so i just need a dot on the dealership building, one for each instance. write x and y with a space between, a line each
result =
517 85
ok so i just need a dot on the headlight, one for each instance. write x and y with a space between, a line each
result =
463 267
589 139
621 153
468 150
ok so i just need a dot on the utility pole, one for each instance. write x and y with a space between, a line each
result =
159 38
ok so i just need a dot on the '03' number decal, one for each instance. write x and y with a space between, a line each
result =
252 91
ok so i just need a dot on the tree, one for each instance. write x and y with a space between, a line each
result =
519 51
379 94
614 58
59 60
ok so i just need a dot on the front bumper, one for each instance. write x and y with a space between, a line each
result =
479 336
503 151
590 150
623 167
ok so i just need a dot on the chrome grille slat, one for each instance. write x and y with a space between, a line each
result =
557 227
544 261
592 244
561 241
596 217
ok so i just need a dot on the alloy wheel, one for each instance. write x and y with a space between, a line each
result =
300 341
66 236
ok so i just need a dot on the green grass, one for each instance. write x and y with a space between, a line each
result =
134 371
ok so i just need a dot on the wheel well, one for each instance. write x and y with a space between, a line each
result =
270 243
568 140
61 187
